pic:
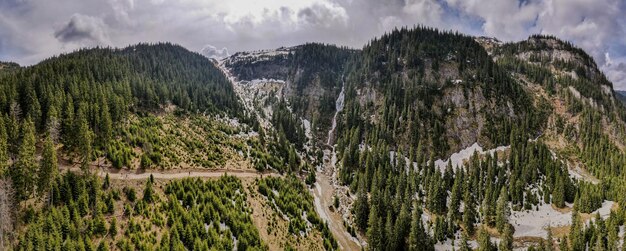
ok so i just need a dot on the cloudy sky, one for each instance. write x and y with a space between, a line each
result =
32 30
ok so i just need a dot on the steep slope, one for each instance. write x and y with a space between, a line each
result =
427 87
307 77
415 95
85 128
434 120
585 112
89 100
422 140
621 95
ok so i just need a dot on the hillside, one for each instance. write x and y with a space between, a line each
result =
145 114
621 95
421 140
308 78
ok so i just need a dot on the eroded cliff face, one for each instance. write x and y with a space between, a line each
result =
309 78
456 98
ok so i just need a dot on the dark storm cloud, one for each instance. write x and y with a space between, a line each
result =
83 28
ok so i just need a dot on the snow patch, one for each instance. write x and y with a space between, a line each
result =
307 128
457 159
318 204
534 222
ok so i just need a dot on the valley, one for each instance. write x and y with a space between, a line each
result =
421 140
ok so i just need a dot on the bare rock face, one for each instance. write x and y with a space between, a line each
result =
311 74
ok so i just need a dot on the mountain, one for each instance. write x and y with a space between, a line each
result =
312 74
421 140
621 95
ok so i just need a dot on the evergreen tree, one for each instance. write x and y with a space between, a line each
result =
106 127
484 241
469 212
113 228
549 240
148 192
464 246
4 150
48 167
67 123
418 238
375 231
84 136
107 182
506 242
558 193
361 207
502 210
402 227
22 174
576 238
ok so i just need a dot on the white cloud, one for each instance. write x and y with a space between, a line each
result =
33 30
211 51
82 29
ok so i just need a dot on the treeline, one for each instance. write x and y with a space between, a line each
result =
293 199
588 80
221 205
389 188
81 214
406 70
81 97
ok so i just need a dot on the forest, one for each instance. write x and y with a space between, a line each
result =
413 98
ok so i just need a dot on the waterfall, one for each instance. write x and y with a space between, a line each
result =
338 109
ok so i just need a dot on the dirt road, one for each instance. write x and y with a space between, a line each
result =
173 174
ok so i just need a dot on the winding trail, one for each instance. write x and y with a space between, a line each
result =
173 174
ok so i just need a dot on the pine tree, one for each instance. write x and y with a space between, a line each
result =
375 231
48 167
418 238
599 245
484 241
25 168
84 136
469 212
67 123
455 194
105 123
506 244
113 228
361 207
558 193
502 210
107 182
4 150
389 233
148 192
549 240
403 226
576 238
464 246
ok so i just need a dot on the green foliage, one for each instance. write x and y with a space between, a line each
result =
195 204
293 200
196 215
24 171
48 169
148 192
96 89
